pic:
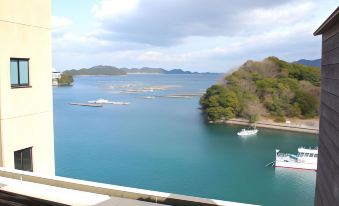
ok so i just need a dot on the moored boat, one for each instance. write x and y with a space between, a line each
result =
305 159
100 101
149 97
248 132
105 101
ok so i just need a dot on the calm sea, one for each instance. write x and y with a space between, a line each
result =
164 144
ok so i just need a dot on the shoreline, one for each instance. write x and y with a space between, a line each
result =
275 126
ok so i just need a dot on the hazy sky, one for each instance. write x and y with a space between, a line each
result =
196 35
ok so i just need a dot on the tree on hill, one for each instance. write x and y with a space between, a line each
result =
272 88
65 79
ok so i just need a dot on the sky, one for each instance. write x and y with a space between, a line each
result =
195 35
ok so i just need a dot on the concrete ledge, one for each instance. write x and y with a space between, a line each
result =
273 126
113 190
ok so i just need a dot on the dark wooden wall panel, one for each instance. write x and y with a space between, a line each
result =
330 44
330 100
333 149
331 32
330 85
323 179
330 71
331 128
327 186
331 57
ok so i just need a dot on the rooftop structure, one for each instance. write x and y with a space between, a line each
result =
55 77
327 186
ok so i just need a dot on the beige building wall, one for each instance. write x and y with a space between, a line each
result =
26 114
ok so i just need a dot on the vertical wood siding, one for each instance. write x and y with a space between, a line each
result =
327 187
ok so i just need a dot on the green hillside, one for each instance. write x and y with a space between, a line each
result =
271 88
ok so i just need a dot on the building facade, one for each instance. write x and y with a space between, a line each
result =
55 77
327 187
26 113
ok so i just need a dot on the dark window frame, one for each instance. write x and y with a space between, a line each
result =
22 159
19 85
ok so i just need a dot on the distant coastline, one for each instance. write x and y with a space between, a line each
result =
114 71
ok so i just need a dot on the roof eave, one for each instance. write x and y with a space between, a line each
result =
329 21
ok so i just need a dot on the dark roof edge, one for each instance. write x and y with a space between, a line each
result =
329 21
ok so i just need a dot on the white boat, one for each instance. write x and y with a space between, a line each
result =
305 159
105 101
100 101
149 97
248 132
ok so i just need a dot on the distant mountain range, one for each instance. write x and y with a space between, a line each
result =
111 70
314 63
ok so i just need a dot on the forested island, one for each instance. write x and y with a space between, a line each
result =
271 88
65 80
111 70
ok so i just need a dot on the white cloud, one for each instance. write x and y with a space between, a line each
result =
283 14
192 34
60 24
166 23
113 8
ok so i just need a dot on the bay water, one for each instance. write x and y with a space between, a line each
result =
165 144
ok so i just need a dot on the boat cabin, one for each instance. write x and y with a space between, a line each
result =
307 153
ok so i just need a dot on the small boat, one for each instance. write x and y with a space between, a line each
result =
305 159
149 97
248 132
105 101
100 101
86 104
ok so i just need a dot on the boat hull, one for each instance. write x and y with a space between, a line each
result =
296 165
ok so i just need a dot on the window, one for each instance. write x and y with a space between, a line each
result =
23 159
19 72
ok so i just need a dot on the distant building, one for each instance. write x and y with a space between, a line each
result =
327 188
55 77
26 118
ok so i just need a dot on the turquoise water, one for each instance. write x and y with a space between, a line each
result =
165 144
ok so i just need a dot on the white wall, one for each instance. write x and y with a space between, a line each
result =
26 114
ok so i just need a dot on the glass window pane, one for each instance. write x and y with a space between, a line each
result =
17 160
23 66
26 160
14 72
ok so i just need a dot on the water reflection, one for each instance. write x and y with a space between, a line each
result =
303 177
